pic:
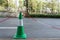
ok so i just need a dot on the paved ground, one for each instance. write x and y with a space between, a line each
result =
34 39
34 28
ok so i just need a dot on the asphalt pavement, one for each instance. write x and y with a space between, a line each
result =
34 27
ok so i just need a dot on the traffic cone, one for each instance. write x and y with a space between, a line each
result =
20 29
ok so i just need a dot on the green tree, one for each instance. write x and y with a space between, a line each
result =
32 5
53 5
41 5
4 3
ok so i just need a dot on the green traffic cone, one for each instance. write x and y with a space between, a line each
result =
20 29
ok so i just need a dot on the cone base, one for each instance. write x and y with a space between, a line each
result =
22 36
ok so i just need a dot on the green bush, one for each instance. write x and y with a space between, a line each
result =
45 16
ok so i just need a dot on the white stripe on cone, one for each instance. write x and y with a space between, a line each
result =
20 22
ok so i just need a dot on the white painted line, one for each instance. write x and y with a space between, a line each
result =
8 27
43 23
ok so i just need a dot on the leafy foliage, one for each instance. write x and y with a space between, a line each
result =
3 3
39 5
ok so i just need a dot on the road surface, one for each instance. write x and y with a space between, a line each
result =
34 27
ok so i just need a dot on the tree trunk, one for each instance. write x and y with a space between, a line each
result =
27 13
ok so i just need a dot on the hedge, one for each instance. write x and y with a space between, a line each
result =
45 16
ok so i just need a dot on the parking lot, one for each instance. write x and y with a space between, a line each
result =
34 27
